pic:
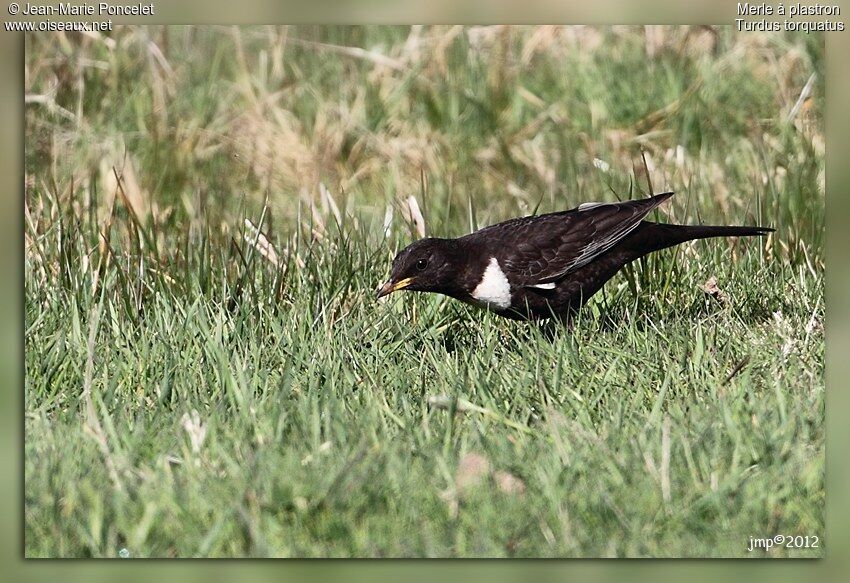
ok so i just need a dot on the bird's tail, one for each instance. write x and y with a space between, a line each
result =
665 236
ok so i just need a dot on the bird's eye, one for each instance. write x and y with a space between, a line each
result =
421 264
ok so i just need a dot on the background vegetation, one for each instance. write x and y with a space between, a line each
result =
209 209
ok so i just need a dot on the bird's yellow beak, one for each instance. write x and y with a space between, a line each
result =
391 287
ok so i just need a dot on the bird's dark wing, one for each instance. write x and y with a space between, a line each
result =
541 250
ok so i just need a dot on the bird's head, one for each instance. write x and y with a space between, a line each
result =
427 265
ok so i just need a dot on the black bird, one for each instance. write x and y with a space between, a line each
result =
537 267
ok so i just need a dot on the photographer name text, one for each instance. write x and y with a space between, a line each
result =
99 9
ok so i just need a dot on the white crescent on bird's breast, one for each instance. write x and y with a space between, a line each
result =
494 289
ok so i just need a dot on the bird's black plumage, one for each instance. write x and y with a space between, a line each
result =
537 267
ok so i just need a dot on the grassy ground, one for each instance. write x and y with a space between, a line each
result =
192 390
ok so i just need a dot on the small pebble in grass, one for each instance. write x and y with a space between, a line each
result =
474 469
508 483
124 553
471 471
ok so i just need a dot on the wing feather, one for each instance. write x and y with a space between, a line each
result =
541 250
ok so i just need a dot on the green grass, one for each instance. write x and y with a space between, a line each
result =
666 423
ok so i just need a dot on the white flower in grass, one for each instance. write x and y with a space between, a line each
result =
197 431
601 164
